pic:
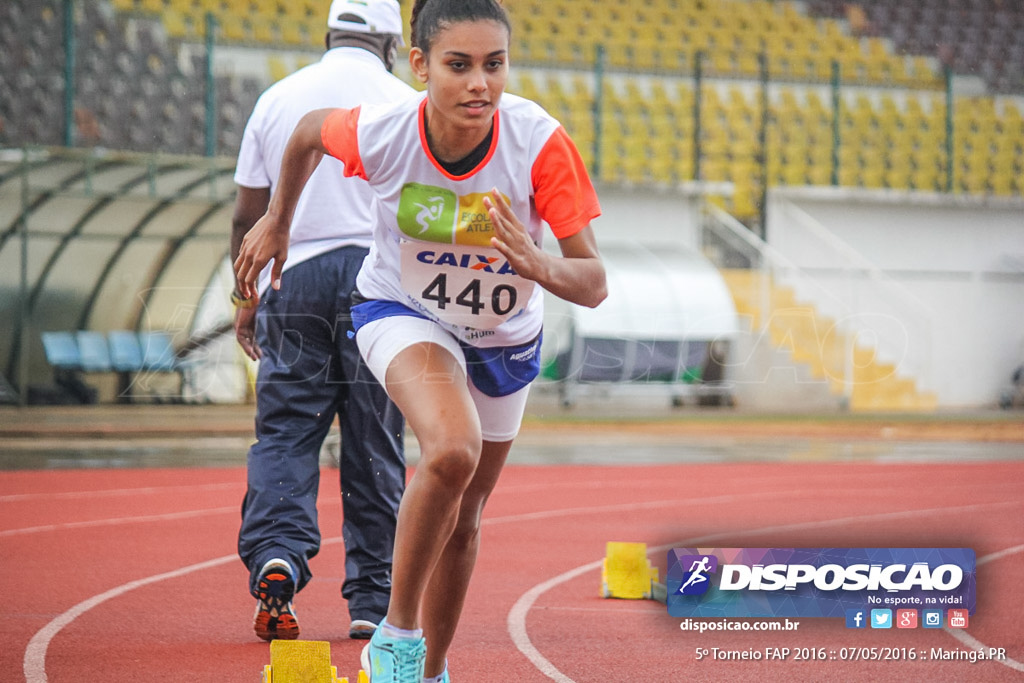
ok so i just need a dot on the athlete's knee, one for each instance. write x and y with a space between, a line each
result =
453 462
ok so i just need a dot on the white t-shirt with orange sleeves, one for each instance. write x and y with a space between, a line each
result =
431 249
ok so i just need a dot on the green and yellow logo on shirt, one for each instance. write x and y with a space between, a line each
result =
427 213
435 214
474 223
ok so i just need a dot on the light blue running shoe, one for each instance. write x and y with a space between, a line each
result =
440 678
444 676
394 660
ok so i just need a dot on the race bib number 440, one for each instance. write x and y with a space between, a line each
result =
463 285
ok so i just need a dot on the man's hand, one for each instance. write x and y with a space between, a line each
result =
266 242
245 332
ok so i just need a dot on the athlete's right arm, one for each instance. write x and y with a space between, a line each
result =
268 239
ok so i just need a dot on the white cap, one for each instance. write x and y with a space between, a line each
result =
378 16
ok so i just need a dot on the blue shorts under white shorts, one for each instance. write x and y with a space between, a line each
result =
498 378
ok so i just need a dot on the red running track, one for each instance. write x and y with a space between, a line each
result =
130 575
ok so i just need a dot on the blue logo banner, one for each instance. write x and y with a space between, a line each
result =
817 582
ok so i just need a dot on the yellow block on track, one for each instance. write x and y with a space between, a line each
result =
300 661
626 572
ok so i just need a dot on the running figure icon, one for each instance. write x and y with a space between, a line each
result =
697 573
429 214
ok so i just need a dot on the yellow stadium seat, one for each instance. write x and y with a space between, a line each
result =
277 68
748 64
922 72
744 202
175 23
291 31
661 169
898 177
925 178
795 172
820 174
849 177
714 169
1001 184
232 31
264 31
683 168
722 61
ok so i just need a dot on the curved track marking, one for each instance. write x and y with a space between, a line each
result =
969 640
516 621
34 663
35 653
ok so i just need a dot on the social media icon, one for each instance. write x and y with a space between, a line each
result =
881 618
931 618
906 618
856 618
958 618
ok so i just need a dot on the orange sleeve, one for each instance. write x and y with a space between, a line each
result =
340 138
562 190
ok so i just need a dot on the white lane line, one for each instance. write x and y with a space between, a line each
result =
516 621
35 654
116 520
34 664
625 507
1000 554
969 640
72 495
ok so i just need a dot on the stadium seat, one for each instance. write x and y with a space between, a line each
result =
158 352
95 354
896 137
61 350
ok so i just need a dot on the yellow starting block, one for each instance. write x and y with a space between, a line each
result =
627 573
303 661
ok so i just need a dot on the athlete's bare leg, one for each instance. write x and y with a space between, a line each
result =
446 591
429 387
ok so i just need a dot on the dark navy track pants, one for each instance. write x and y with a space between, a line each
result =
310 373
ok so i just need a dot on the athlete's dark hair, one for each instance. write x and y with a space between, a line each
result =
430 16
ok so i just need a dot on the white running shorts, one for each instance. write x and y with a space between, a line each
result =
381 340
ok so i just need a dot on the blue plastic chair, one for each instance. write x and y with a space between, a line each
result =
94 350
125 351
62 351
158 352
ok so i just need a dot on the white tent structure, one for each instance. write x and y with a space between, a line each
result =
667 321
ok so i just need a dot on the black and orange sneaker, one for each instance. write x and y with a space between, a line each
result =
275 617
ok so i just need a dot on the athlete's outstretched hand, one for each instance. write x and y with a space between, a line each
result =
577 277
266 242
512 240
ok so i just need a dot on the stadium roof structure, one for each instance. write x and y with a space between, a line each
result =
97 240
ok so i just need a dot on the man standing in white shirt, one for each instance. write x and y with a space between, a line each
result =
310 370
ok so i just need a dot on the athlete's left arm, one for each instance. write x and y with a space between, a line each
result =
577 277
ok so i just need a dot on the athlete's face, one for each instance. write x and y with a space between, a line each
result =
465 73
